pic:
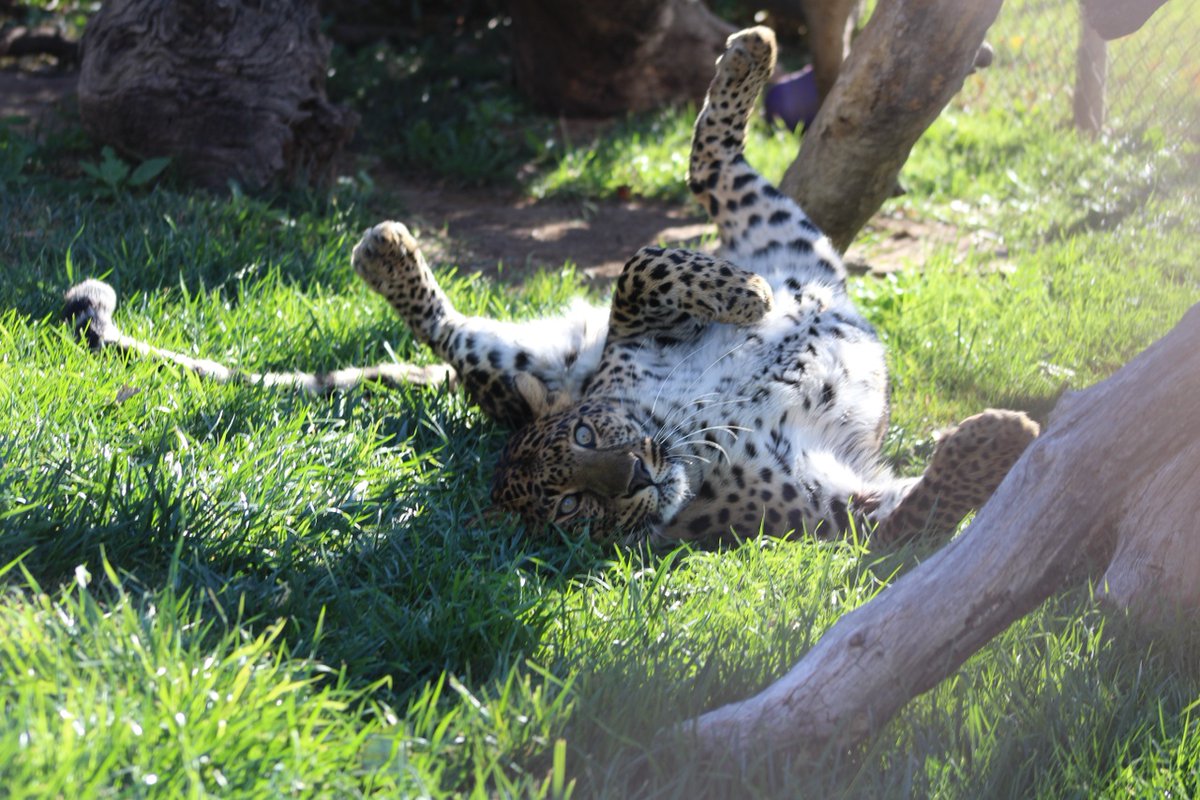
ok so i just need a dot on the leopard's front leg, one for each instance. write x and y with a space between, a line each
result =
673 294
389 260
561 352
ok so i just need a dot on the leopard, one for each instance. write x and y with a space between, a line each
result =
716 397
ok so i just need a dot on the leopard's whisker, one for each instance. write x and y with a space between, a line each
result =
687 390
697 408
715 446
720 429
689 406
689 457
726 428
667 379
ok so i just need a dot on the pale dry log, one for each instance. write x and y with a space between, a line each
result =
1155 571
905 66
1118 460
231 89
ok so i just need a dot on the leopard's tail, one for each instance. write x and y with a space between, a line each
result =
89 309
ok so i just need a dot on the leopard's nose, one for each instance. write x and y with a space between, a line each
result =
640 478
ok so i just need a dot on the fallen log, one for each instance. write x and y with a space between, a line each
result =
1113 480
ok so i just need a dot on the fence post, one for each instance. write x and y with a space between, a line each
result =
1091 75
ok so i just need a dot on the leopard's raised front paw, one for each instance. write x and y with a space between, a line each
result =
386 253
749 56
749 302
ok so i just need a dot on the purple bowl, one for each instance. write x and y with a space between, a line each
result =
793 100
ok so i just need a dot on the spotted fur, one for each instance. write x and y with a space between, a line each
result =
721 394
714 397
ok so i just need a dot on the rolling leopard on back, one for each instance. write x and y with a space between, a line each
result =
718 394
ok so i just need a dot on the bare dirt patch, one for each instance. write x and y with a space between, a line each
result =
504 233
510 236
35 95
891 241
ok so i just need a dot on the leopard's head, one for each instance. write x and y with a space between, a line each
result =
593 463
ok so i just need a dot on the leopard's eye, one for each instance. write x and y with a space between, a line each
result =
584 435
567 506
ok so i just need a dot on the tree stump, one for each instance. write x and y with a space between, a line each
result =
1115 478
908 62
613 56
231 89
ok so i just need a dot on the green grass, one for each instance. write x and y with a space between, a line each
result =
216 590
645 156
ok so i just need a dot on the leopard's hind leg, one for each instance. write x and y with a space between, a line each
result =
753 217
968 463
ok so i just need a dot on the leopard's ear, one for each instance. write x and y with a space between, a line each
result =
541 400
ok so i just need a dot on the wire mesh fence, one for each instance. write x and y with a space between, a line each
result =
1149 80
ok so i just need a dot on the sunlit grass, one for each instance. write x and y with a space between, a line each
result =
228 591
646 156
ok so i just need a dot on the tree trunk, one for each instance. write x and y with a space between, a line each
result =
905 66
1115 476
830 26
231 89
613 56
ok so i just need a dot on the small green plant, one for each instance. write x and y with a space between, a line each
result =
15 151
115 175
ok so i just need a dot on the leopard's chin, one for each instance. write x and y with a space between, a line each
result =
674 491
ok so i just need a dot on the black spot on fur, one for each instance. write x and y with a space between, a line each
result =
841 517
